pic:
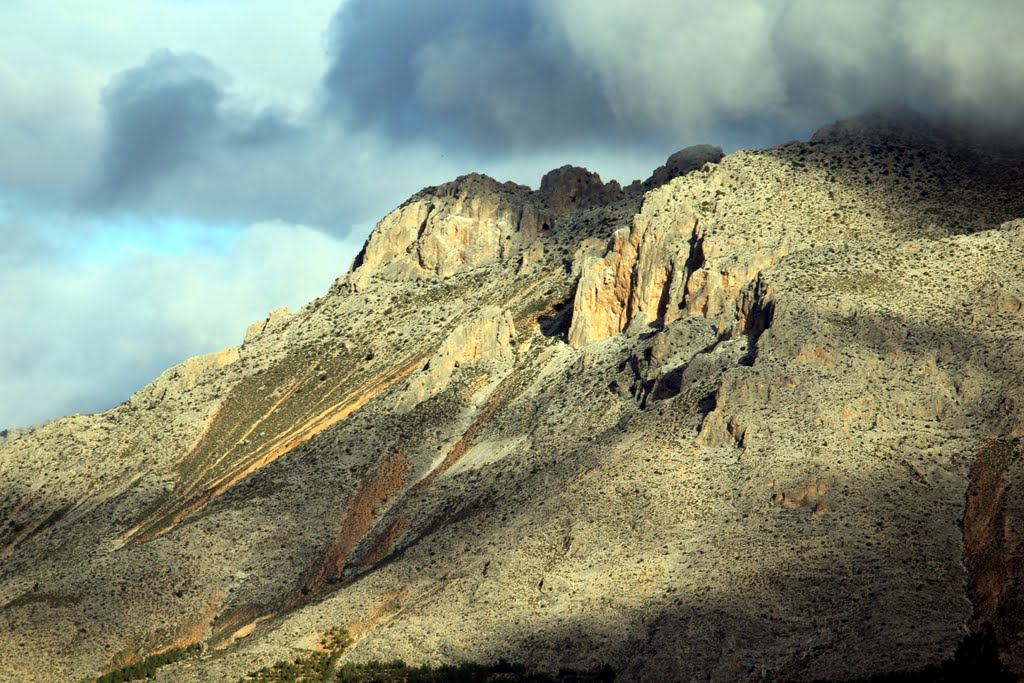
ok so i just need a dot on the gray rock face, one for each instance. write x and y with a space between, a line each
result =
760 421
570 188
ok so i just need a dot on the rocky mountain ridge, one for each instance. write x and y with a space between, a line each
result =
755 417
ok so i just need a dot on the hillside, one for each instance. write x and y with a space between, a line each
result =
757 416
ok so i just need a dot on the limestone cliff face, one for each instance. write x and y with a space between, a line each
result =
475 221
487 338
674 260
600 308
470 222
645 275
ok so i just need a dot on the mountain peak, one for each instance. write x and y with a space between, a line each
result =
772 403
569 188
682 162
896 124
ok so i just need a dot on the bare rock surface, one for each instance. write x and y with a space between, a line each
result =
759 418
487 338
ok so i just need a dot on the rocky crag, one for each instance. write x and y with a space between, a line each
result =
758 416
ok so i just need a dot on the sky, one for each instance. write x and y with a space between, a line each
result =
172 170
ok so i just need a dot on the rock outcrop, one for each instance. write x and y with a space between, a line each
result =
487 338
682 162
675 259
475 221
184 377
464 224
570 188
274 321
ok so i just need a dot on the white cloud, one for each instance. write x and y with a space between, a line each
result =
81 336
274 49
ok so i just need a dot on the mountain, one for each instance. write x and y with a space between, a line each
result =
758 416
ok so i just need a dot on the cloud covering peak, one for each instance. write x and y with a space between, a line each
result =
532 72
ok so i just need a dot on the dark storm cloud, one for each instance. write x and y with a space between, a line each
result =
486 74
169 113
180 139
159 116
489 75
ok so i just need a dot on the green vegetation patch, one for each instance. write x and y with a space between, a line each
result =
316 667
147 667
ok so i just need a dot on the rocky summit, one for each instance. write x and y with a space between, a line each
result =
758 416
